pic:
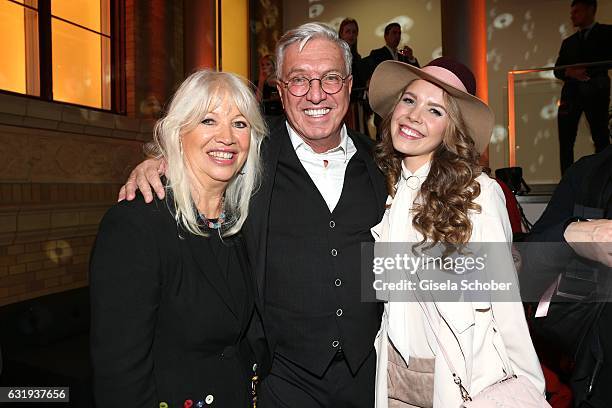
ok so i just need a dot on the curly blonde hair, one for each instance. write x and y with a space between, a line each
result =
448 193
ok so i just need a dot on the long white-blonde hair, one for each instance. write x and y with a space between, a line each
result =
201 93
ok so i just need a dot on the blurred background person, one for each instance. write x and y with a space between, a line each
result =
358 108
389 51
349 32
393 36
267 94
585 89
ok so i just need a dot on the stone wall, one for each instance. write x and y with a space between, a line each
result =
60 169
61 166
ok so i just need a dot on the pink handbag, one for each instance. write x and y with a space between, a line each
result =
515 392
512 392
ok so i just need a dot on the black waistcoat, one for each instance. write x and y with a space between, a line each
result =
313 294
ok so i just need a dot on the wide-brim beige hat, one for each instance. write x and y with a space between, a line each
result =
391 78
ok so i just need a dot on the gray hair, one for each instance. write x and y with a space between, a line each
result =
201 93
305 33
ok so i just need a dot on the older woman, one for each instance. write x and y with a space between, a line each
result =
434 353
171 291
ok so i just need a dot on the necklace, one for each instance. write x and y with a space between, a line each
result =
413 182
214 223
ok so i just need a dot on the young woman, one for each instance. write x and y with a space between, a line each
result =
433 132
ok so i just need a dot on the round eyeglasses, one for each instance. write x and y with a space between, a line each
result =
330 84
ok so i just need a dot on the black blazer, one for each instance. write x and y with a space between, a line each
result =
255 229
595 48
166 323
383 54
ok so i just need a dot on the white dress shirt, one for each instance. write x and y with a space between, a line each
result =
587 30
393 53
325 169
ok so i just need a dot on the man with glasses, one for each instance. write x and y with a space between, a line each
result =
320 196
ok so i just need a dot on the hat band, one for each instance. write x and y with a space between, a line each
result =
445 76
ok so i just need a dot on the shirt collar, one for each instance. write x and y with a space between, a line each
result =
586 30
421 172
413 180
298 142
393 52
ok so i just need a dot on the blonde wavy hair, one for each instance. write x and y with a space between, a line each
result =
201 93
440 212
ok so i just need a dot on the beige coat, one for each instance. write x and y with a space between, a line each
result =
485 341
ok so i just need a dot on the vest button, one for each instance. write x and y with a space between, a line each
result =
335 343
332 224
334 252
339 312
209 399
337 282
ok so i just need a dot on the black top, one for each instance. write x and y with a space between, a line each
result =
169 312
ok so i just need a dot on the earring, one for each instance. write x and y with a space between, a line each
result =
181 145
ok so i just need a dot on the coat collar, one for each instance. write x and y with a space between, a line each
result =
202 255
198 248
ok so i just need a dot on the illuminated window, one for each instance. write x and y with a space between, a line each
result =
58 50
19 47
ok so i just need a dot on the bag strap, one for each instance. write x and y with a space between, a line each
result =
511 372
465 395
